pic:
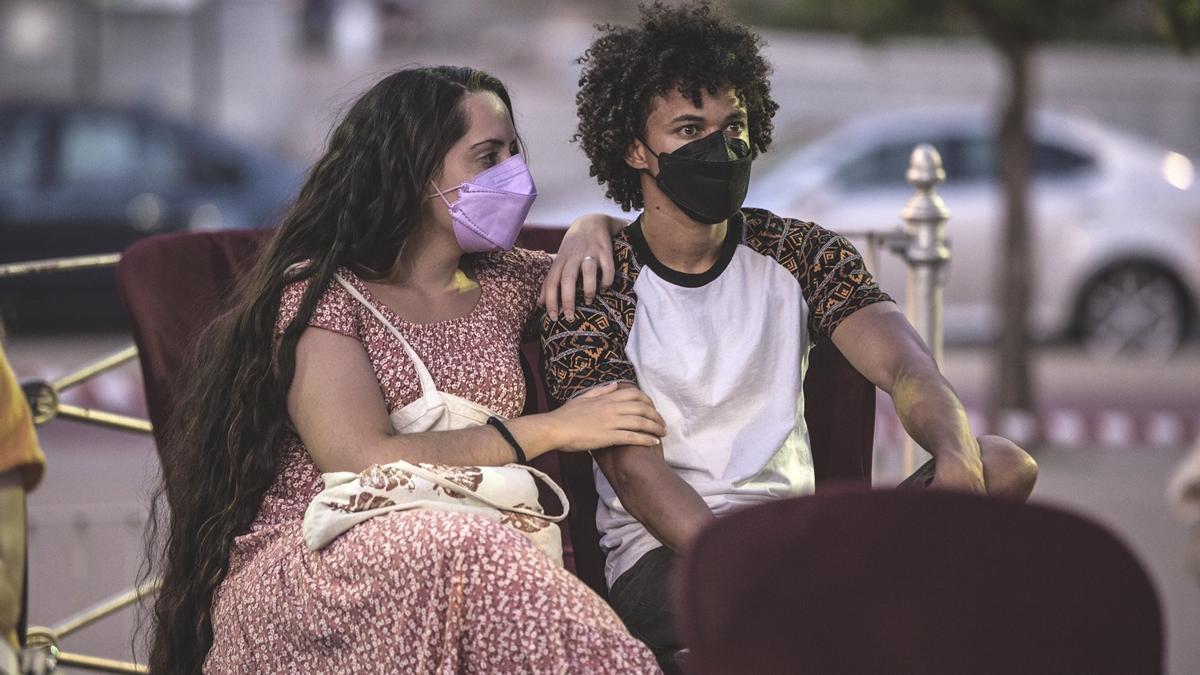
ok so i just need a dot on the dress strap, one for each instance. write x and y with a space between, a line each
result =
428 388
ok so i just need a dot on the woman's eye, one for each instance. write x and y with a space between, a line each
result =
736 128
490 159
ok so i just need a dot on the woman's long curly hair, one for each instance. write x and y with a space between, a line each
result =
691 48
362 200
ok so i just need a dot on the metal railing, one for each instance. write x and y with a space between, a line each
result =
46 640
45 398
83 262
920 242
43 652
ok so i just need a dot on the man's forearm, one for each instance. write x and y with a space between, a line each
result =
654 494
934 417
881 344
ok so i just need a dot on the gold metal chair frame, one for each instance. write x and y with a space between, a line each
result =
45 399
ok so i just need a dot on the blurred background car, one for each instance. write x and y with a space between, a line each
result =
1116 231
90 179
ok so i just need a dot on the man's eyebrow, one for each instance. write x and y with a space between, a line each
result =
687 117
737 115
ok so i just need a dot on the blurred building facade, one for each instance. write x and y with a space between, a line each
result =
276 72
220 63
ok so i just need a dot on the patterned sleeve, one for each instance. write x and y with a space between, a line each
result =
589 350
336 310
834 279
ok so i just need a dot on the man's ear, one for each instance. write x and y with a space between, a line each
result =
636 155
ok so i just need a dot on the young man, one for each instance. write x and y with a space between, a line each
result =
714 308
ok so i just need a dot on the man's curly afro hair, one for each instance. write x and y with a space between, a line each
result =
692 48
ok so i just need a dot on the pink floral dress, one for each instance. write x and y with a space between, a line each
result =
418 591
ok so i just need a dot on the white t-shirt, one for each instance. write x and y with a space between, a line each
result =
722 354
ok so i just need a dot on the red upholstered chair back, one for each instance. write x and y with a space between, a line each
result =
917 582
174 285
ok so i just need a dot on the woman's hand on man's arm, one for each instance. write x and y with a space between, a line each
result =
585 252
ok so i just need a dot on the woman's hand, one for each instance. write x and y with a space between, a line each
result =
606 416
586 251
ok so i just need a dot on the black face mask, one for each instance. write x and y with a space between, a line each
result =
706 178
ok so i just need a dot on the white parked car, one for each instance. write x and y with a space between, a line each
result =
1115 237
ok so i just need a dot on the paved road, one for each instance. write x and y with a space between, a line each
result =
1123 488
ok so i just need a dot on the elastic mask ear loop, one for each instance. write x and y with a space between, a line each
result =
652 152
439 193
647 146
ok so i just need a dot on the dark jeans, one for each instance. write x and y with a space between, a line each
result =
642 595
642 598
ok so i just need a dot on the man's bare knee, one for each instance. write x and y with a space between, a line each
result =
1008 470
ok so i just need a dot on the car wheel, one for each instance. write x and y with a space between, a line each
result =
1133 310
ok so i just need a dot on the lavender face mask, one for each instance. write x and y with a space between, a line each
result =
492 206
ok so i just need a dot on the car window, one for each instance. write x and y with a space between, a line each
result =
883 166
966 158
163 155
974 158
1053 161
98 148
970 159
107 148
963 158
19 146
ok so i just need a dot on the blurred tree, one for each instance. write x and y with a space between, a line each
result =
1015 28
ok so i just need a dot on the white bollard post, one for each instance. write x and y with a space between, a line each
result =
927 256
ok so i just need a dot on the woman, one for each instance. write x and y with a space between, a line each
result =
401 221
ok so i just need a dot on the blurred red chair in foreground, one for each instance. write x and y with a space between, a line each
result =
174 285
929 583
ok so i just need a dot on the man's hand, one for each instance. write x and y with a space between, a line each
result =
961 473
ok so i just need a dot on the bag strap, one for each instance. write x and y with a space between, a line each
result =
428 388
455 487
